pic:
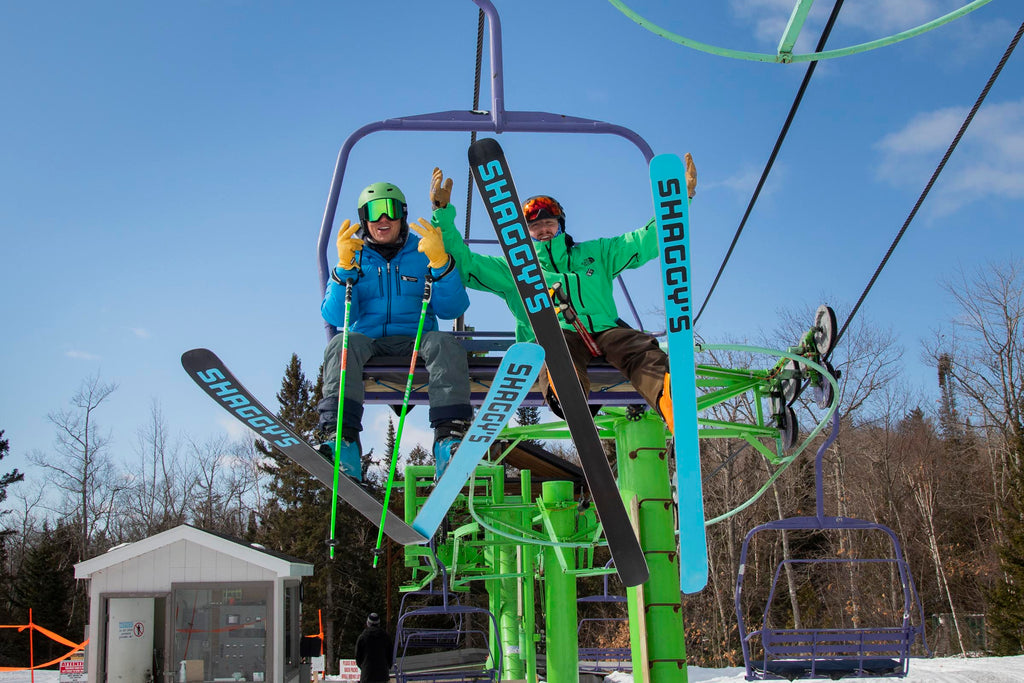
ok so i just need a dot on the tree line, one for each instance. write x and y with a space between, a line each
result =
942 467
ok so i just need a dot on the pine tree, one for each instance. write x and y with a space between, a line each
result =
527 416
1006 599
420 456
46 585
7 479
297 522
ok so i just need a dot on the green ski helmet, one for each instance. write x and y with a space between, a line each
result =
381 199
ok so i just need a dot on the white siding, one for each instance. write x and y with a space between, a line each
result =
179 562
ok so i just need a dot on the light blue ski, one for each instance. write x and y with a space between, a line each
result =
512 382
672 213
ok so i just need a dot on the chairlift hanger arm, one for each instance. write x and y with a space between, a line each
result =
497 120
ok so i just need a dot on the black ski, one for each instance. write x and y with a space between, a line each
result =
210 373
494 181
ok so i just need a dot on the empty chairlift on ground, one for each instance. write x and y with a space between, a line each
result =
776 650
440 639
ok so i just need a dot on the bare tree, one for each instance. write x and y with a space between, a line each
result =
227 483
81 466
155 498
982 352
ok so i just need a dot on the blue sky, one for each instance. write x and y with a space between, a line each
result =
165 169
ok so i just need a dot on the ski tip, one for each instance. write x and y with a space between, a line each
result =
667 162
484 147
193 354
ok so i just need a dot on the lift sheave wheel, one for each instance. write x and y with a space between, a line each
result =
825 330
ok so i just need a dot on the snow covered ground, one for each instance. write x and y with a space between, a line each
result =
944 670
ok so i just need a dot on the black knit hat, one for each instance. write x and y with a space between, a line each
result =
373 619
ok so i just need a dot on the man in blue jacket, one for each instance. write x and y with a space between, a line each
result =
389 277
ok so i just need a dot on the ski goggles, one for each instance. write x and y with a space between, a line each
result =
536 208
542 207
374 209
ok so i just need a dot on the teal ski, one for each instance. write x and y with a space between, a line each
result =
672 212
512 382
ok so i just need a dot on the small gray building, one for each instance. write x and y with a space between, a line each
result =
191 605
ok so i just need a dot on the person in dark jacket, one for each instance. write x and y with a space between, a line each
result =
374 652
389 277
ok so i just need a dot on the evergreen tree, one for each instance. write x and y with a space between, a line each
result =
46 585
527 416
420 456
1006 599
296 521
6 480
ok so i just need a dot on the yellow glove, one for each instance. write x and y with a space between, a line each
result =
431 243
691 176
440 189
348 246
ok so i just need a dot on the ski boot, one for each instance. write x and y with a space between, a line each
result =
447 437
351 455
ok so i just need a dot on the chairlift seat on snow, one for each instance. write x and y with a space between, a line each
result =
457 662
598 660
833 653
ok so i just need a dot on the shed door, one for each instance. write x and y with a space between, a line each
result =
129 639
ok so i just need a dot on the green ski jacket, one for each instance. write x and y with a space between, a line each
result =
585 269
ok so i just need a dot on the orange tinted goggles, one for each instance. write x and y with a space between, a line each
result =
535 207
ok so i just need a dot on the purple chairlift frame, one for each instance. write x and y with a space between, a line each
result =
406 638
599 660
497 120
831 655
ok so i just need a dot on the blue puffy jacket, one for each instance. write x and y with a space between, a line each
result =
388 295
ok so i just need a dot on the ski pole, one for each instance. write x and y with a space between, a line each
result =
565 307
341 401
401 418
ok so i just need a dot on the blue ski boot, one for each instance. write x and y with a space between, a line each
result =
447 437
351 456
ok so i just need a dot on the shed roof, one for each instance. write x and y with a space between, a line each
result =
279 563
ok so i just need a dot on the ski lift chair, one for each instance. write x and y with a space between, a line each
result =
429 636
456 662
834 653
602 660
385 377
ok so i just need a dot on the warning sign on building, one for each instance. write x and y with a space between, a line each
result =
72 670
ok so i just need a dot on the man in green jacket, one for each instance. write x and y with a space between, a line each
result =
586 271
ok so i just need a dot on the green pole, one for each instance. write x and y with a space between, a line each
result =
560 587
655 610
527 566
508 619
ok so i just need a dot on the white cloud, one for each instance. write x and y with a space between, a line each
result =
893 17
81 355
234 428
988 162
744 180
140 332
877 18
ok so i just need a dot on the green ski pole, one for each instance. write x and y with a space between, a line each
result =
401 417
341 400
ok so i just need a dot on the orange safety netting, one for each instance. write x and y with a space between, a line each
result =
75 647
320 619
